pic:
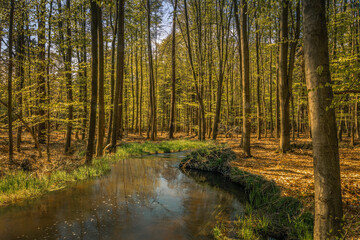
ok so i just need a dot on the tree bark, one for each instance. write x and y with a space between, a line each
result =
151 76
68 79
101 122
20 71
119 73
258 105
41 71
173 76
245 80
284 81
94 81
10 71
328 204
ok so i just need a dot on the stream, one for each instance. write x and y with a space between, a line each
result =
141 198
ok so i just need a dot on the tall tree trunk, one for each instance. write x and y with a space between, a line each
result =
328 204
94 81
238 30
195 78
68 79
258 105
284 81
112 76
48 122
10 71
151 76
293 45
245 79
41 71
20 70
101 122
141 89
173 76
270 90
119 73
84 77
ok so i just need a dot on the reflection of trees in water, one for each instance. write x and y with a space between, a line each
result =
140 195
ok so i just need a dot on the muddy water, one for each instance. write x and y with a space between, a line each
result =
142 198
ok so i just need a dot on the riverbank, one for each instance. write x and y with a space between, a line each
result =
293 173
19 185
267 213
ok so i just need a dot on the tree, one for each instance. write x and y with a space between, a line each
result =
41 71
10 71
119 72
328 204
101 70
94 81
245 79
173 76
152 124
284 81
68 74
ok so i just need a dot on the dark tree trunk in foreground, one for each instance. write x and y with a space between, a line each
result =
284 82
94 76
245 79
173 77
328 204
10 71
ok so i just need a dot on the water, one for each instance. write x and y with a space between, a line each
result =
142 198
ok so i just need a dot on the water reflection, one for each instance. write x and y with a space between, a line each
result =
144 198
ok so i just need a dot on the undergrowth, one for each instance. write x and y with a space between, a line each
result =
267 212
21 185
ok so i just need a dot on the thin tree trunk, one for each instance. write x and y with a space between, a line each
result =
20 71
48 122
151 77
84 78
10 71
101 122
68 80
41 71
173 76
112 77
270 90
258 105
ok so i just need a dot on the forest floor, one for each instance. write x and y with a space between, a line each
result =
292 171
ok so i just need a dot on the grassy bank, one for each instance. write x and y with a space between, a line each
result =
20 185
267 212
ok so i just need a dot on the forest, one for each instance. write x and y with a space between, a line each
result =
276 82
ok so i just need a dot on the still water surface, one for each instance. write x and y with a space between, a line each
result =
142 198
